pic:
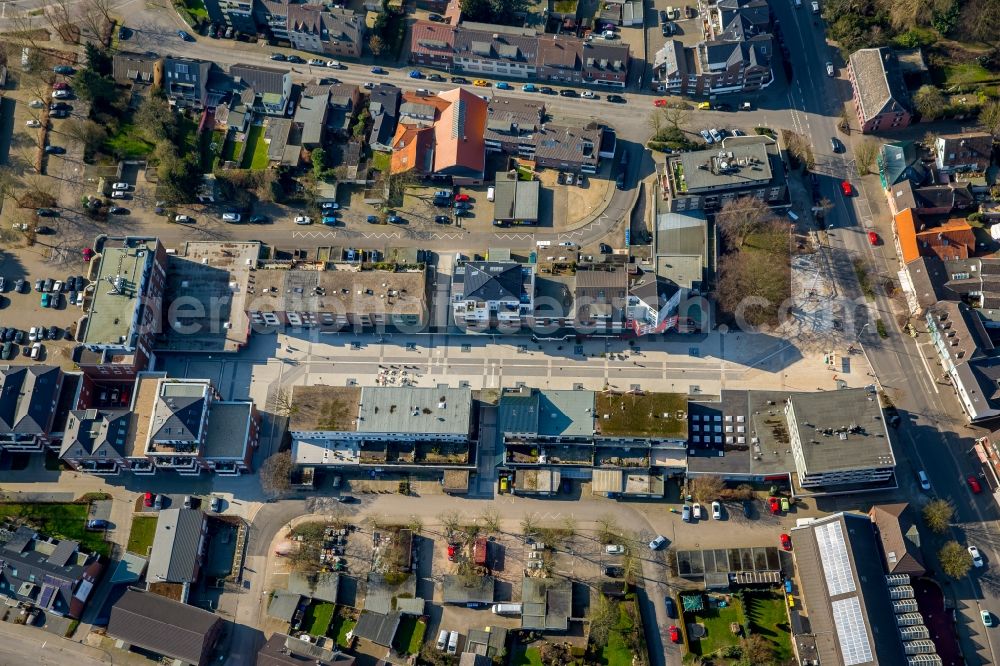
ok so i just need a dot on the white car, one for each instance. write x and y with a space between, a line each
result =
57 287
716 510
61 94
977 558
588 94
121 186
231 217
119 194
696 511
330 205
567 243
33 123
716 134
657 542
442 640
829 69
36 351
707 137
316 62
36 104
815 6
333 64
183 219
33 334
303 219
614 549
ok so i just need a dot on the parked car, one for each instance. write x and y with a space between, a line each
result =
835 144
786 542
675 634
785 505
394 219
845 187
716 510
36 351
442 219
158 502
706 135
873 238
378 70
183 219
614 571
461 198
529 88
295 59
316 62
258 219
696 511
231 217
716 135
974 484
977 558
216 504
987 618
746 508
279 57
33 123
303 219
614 549
829 69
65 70
481 83
568 92
773 504
503 85
98 524
55 150
416 74
658 542
185 36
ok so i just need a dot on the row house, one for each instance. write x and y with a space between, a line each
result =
493 295
180 425
519 53
336 31
272 87
29 397
735 56
881 100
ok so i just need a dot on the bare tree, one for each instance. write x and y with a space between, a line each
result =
930 102
677 116
276 473
569 526
989 117
603 618
757 650
529 524
706 488
607 528
740 217
490 518
798 147
87 132
656 122
450 520
96 17
57 15
283 405
865 153
376 45
823 207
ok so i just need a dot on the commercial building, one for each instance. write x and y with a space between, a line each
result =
966 354
738 167
117 336
896 528
338 295
380 425
178 547
493 295
53 575
881 99
516 200
600 300
855 613
736 54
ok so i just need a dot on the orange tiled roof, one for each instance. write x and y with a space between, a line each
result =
458 133
952 240
409 148
906 232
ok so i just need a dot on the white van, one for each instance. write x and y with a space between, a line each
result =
491 193
506 609
453 643
442 640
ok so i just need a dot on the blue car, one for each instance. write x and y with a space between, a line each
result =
378 70
415 74
503 85
330 221
529 87
185 36
373 219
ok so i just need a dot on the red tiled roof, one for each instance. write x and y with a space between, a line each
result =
458 133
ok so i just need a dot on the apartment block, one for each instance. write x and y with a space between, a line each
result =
493 295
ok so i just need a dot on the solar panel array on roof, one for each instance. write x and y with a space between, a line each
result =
46 596
851 631
836 563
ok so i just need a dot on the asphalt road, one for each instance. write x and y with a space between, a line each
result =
27 645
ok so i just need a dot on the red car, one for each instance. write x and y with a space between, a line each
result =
147 499
88 254
846 188
974 484
461 197
873 238
786 542
675 634
451 553
62 85
659 103
774 504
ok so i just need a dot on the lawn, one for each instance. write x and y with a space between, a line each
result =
768 617
63 521
526 657
317 619
380 161
410 635
641 414
339 627
209 157
197 9
255 156
140 539
717 633
617 652
126 144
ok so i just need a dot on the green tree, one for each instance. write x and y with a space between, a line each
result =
360 125
938 514
93 87
504 12
319 163
930 102
179 177
155 120
98 60
377 45
955 559
989 117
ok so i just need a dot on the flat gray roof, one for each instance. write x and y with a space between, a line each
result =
116 290
737 162
225 435
841 430
566 413
516 199
682 233
174 556
439 411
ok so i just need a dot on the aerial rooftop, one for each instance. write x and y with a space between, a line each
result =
113 316
642 415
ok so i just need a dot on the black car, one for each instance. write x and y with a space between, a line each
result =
295 59
44 230
545 90
258 219
280 57
54 333
442 219
722 107
19 337
60 106
437 18
347 499
118 210
97 524
616 99
46 212
671 607
614 571
59 113
442 203
663 16
55 150
78 283
6 334
605 248
569 93
620 182
436 78
461 80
